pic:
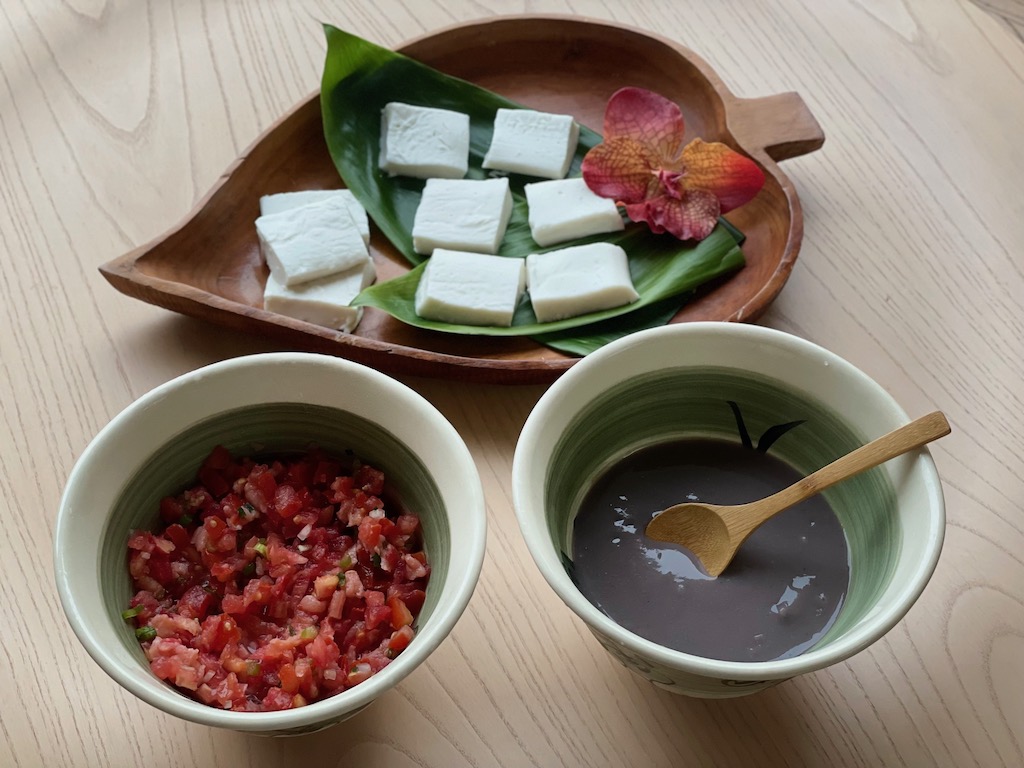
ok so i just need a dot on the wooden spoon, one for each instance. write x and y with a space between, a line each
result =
713 533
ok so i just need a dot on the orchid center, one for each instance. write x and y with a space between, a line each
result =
669 182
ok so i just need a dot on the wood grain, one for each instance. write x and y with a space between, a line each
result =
116 115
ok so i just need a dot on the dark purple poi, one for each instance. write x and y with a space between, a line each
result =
776 599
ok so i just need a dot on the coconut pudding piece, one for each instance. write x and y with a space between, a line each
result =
470 288
565 209
577 280
532 143
462 215
423 142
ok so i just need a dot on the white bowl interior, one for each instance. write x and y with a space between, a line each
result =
263 403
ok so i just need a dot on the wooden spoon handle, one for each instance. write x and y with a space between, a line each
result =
906 438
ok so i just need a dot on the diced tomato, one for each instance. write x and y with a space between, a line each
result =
219 458
279 554
377 659
410 594
217 632
390 556
369 533
364 638
225 693
323 651
260 488
173 625
233 604
407 524
147 606
170 660
195 603
277 699
336 605
266 483
415 567
358 673
171 510
219 538
214 481
305 519
353 584
303 603
401 616
400 639
369 479
287 501
377 615
178 535
311 605
159 567
195 500
325 586
377 612
289 680
304 676
342 489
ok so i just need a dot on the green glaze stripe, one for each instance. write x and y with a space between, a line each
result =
267 429
682 402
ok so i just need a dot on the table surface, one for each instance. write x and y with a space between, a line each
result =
117 115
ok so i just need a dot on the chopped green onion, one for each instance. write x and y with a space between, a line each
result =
185 520
341 580
249 570
131 613
375 559
260 547
145 633
308 633
390 653
252 668
346 563
247 510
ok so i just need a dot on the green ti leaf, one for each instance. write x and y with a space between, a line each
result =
360 78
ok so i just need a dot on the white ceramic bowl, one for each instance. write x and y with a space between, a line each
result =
263 402
677 381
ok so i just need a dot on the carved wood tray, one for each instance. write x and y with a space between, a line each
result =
210 267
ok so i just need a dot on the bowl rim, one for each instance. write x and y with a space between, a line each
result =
463 577
538 542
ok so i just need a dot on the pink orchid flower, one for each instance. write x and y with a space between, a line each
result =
645 168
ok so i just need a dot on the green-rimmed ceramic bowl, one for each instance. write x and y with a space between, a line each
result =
690 380
263 404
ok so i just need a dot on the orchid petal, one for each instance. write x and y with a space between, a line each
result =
622 169
692 216
643 166
728 175
649 119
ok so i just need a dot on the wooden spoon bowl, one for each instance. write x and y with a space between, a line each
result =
210 266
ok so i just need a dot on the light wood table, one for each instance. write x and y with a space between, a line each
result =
117 115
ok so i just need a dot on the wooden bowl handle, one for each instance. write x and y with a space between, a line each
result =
781 125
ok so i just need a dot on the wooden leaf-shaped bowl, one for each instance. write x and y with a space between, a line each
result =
210 265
